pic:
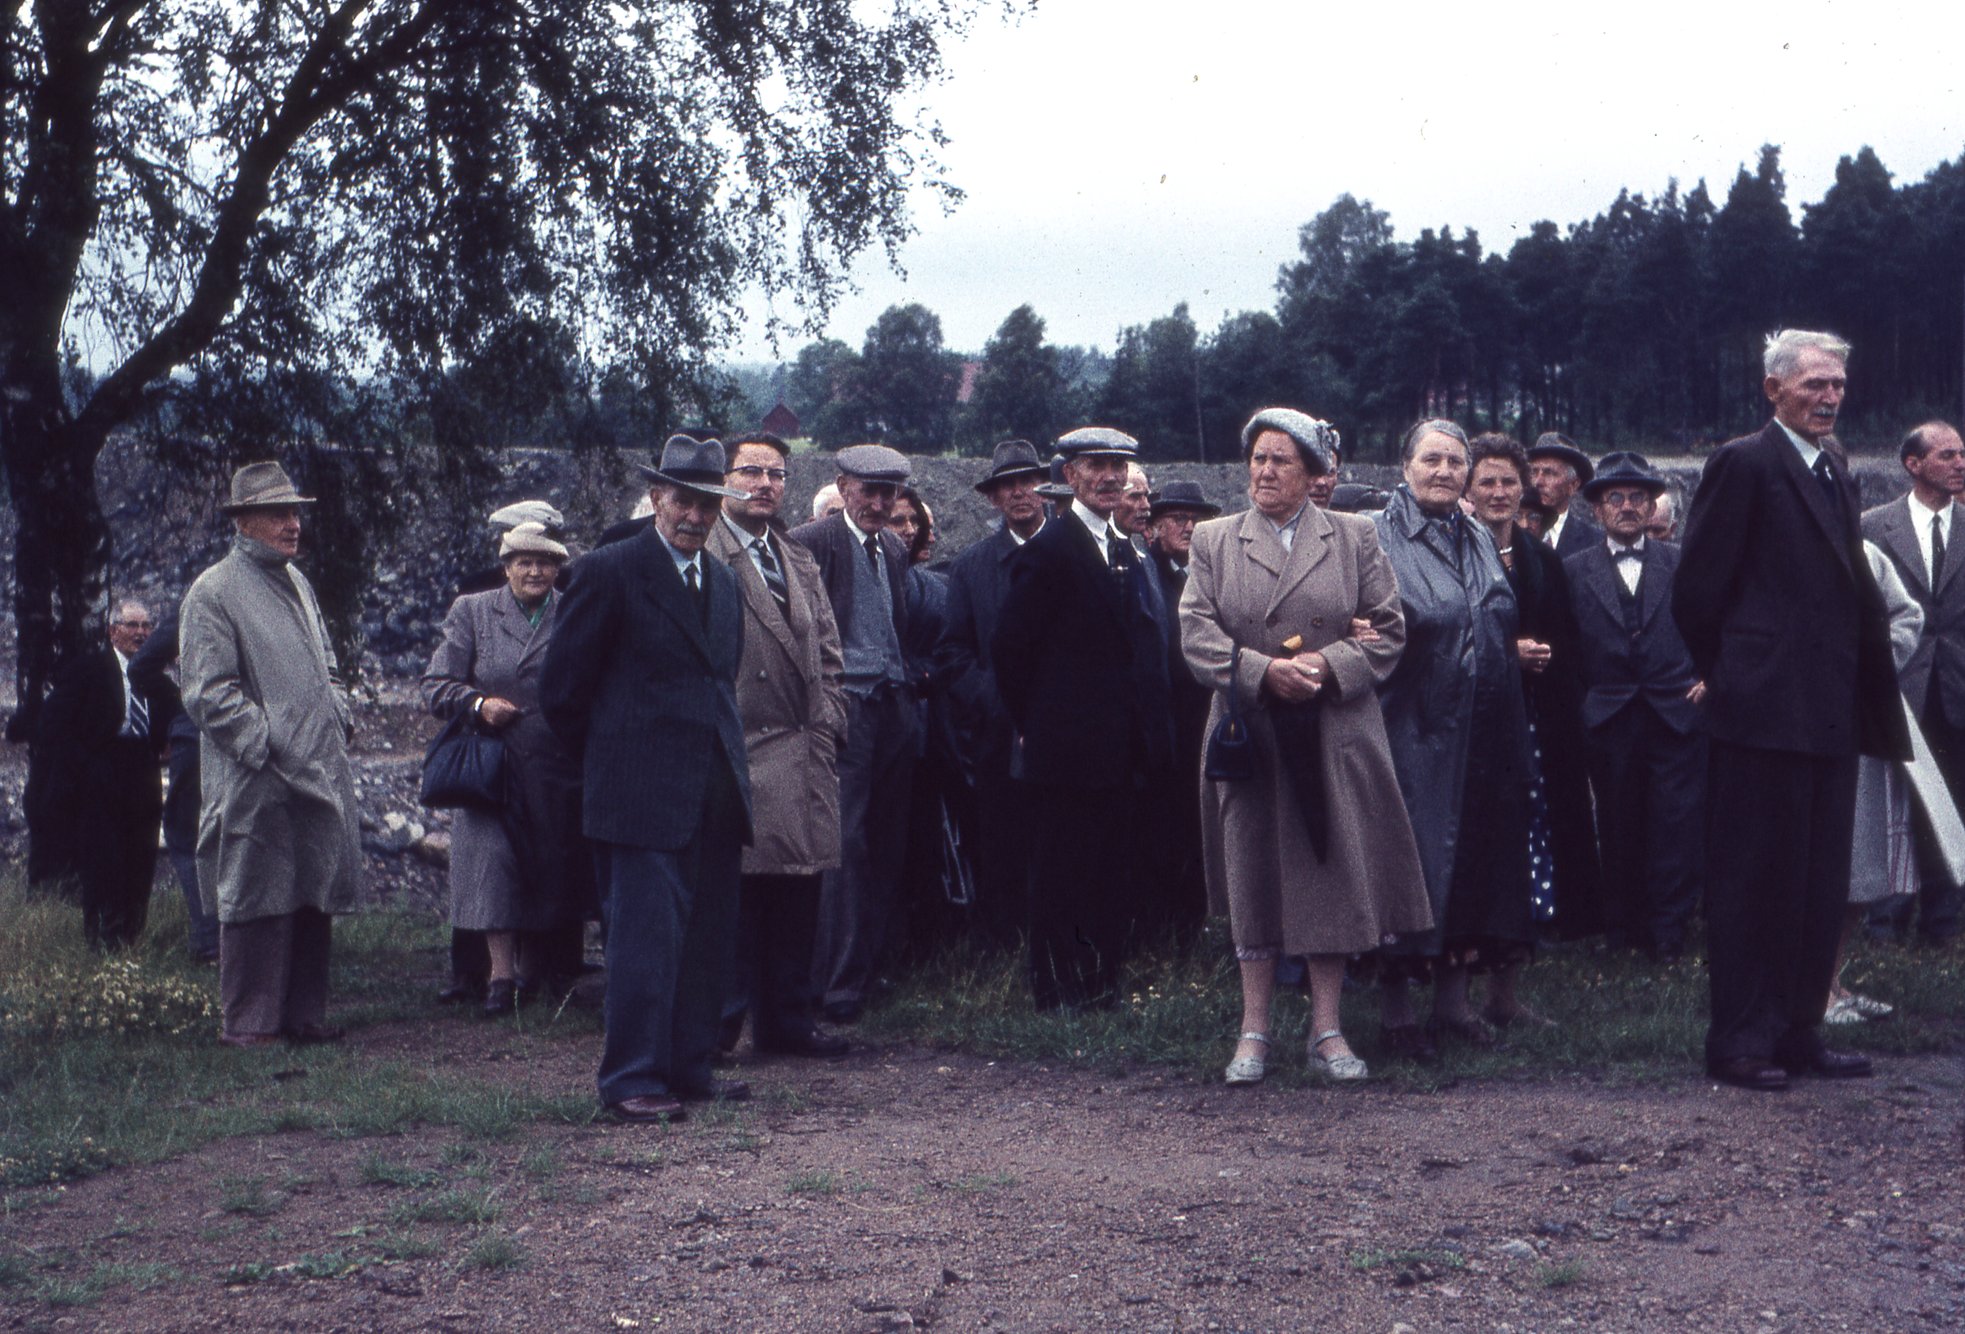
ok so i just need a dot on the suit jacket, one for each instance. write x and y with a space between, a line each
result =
1578 534
836 540
1778 609
646 694
793 706
1618 667
78 761
1081 662
978 581
1940 652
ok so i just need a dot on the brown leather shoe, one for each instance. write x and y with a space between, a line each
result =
247 1039
718 1090
650 1107
1749 1072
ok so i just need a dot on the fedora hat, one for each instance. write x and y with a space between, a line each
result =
1556 445
259 486
1623 467
1012 458
1090 442
1184 497
1315 440
695 464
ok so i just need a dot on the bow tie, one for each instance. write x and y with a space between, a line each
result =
1629 553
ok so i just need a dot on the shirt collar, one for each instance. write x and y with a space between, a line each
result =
1943 511
1290 525
1616 546
682 562
1809 452
1021 540
1091 519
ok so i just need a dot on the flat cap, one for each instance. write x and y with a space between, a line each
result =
873 463
1089 442
528 511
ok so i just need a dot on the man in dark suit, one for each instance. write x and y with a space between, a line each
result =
864 568
1081 663
95 805
640 682
1788 631
1176 508
978 579
1557 470
1647 754
1919 533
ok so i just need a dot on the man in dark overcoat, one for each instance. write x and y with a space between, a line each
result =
1919 532
1081 663
1557 470
1787 629
640 683
1642 733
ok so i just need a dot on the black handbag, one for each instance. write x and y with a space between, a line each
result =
464 767
1231 754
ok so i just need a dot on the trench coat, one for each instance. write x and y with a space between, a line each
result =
525 868
793 702
1244 587
277 824
1459 734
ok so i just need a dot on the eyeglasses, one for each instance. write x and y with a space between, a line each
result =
1618 500
750 472
137 625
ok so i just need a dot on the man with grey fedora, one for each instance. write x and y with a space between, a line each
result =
977 582
278 849
1643 735
640 683
864 568
1176 508
1557 470
1080 653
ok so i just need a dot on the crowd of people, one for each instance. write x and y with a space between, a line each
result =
1399 739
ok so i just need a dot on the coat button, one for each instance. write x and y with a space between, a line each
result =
1316 622
761 675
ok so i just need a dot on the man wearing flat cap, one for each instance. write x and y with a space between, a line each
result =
1176 507
278 849
1080 653
863 567
1643 735
640 683
1557 470
978 579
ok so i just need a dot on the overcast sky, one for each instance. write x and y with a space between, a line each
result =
1119 158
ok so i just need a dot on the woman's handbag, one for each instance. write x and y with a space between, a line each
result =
464 767
1231 754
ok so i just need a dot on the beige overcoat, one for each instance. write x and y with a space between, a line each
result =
1244 587
793 703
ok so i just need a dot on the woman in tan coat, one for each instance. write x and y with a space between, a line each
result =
1325 873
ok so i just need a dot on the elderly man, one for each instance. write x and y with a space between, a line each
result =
1080 652
93 802
1135 504
1919 533
278 849
864 567
1557 470
1183 896
793 702
1662 526
1642 736
1787 629
640 683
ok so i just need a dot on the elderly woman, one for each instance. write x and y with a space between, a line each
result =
1454 713
520 874
1311 855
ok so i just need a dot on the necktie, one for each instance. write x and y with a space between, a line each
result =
1115 546
1825 474
774 577
699 592
1937 550
873 551
139 716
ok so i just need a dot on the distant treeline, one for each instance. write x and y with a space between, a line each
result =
1639 328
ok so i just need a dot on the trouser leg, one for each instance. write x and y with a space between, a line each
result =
255 960
1674 846
307 975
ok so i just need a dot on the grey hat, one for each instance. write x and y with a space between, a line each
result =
1091 442
1183 497
528 511
873 463
1556 445
1358 498
530 538
695 464
1623 467
260 486
1012 458
1055 488
1315 439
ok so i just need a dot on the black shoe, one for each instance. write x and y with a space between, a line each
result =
1823 1063
1749 1072
500 998
842 1012
460 991
809 1043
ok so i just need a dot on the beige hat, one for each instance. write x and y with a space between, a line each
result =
529 538
262 486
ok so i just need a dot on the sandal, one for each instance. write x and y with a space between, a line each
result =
1344 1067
1249 1069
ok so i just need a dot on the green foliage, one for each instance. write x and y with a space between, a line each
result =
820 1181
1567 1274
495 1251
1020 391
247 1195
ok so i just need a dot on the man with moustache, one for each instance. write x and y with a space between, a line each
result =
1786 626
793 702
864 569
640 683
1176 508
1557 470
1081 663
978 579
1919 534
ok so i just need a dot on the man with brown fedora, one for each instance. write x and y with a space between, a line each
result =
1557 470
278 843
640 683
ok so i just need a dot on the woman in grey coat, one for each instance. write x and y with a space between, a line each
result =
521 874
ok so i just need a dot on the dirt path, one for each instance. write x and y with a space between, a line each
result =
904 1188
